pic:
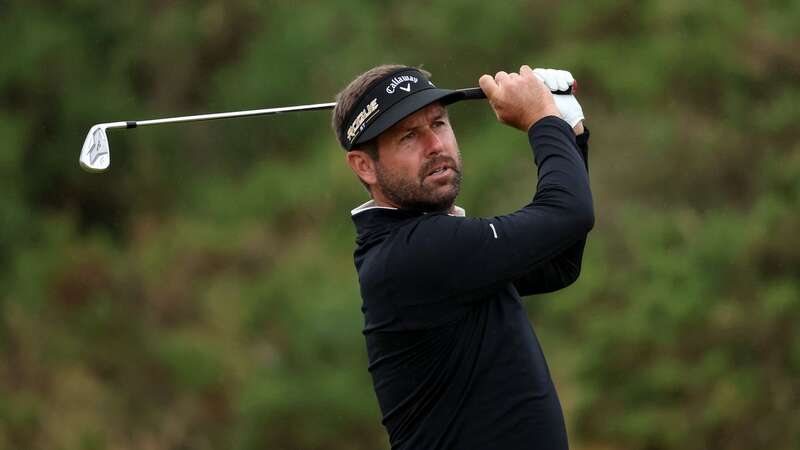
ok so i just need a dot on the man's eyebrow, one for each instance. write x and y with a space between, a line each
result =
407 128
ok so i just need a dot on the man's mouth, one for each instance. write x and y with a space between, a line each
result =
440 174
442 169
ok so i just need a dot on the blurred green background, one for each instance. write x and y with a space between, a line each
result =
201 294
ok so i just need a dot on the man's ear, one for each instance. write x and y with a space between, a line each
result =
362 165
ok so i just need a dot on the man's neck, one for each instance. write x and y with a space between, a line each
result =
378 200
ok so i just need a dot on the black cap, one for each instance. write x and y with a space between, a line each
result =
388 101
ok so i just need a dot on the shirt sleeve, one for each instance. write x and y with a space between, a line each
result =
564 269
441 256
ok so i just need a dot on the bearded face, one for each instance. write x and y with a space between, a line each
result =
434 187
419 165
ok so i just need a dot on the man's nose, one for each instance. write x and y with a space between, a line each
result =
433 143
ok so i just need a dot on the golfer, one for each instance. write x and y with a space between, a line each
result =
454 360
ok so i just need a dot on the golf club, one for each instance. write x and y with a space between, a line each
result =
96 154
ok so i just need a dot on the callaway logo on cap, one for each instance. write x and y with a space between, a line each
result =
390 100
397 81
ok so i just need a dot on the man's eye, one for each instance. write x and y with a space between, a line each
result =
438 123
407 136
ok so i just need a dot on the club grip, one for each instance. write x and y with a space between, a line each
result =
473 93
476 93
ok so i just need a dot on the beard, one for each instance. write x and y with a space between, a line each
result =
419 193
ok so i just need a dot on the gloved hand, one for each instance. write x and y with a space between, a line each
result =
561 80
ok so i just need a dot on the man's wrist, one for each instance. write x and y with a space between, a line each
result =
547 135
544 119
546 112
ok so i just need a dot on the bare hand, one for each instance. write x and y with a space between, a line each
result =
518 99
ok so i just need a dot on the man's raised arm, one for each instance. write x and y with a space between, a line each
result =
455 256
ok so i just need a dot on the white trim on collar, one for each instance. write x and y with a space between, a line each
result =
368 205
457 210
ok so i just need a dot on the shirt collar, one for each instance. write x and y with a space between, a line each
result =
457 210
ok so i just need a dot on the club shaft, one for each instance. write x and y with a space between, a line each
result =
471 93
228 115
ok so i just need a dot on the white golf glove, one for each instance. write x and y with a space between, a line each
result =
561 80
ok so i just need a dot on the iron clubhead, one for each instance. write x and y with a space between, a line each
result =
95 154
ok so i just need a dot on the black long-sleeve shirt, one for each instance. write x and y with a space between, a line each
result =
454 360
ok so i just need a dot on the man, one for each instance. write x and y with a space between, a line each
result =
454 361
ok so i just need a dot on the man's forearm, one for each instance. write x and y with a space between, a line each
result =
562 170
565 267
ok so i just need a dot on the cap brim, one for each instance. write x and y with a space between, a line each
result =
405 108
